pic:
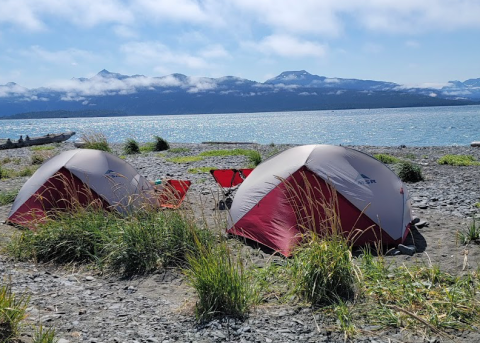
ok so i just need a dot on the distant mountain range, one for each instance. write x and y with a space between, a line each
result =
113 94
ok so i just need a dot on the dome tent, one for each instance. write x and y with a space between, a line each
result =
80 176
370 197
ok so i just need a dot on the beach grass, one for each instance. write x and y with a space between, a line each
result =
25 171
147 147
42 147
160 144
8 197
387 159
471 234
458 160
201 170
131 147
223 286
179 150
254 156
44 335
154 240
184 159
140 243
12 312
96 140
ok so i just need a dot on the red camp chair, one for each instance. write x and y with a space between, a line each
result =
229 180
173 193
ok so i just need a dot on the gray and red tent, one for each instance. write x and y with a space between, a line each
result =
371 199
80 176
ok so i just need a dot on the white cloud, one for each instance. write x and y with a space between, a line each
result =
214 51
125 31
68 56
288 46
323 18
412 44
34 14
12 89
429 85
155 53
372 48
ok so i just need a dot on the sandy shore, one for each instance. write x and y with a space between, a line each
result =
85 307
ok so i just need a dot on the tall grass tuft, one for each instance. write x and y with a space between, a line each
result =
153 240
323 268
12 312
80 235
471 234
96 140
221 282
255 158
43 335
161 144
131 147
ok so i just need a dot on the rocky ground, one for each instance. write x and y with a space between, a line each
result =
84 306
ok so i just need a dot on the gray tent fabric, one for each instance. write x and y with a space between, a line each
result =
364 181
113 179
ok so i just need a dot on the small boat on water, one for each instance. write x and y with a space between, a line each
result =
30 141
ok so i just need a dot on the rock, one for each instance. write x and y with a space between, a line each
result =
407 249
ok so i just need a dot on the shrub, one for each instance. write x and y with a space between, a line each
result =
131 147
12 312
458 160
387 159
3 173
161 144
409 172
221 282
96 140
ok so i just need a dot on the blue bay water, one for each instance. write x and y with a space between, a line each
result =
425 126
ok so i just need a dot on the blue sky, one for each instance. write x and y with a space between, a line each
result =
48 42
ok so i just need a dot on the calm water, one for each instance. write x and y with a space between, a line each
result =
385 127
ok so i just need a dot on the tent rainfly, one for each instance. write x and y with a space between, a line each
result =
278 201
80 176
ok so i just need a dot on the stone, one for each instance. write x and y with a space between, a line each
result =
407 249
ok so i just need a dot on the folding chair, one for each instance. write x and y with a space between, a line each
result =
173 193
229 180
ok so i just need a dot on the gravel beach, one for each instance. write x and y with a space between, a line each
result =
84 306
